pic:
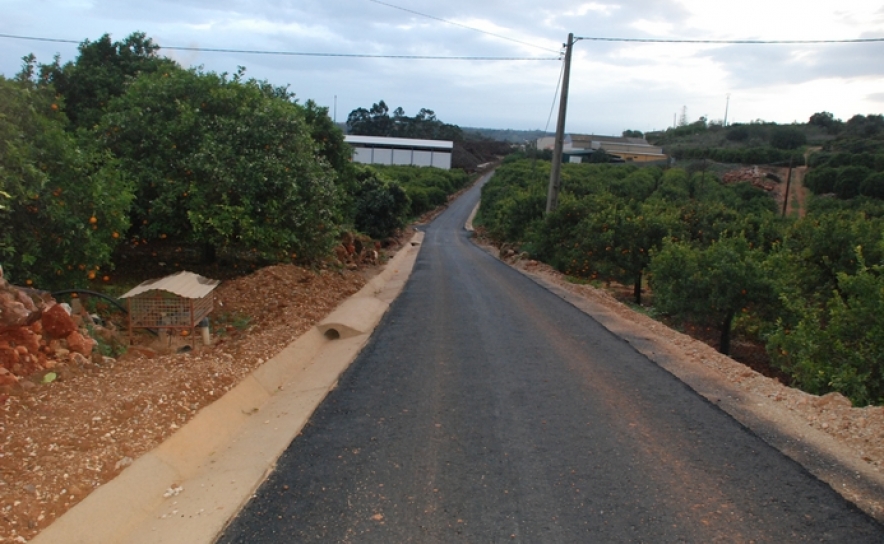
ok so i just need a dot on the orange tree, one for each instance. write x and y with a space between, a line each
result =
102 71
224 162
713 283
605 236
67 201
838 346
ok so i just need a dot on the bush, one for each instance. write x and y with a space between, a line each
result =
67 200
822 180
223 162
849 180
712 284
737 134
788 138
420 201
839 347
873 186
382 206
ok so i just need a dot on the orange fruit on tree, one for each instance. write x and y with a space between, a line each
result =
91 275
93 220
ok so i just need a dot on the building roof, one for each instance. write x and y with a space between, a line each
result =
184 284
397 142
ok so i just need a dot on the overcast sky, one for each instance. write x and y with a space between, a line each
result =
614 86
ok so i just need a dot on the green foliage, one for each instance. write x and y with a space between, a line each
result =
382 206
846 182
840 159
103 70
378 122
328 137
849 180
827 121
865 126
66 199
427 188
223 162
787 138
873 186
514 198
823 246
715 283
746 155
738 134
839 346
821 180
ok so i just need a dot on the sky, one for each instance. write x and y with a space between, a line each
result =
614 86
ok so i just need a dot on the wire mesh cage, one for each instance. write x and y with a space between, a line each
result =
177 302
161 309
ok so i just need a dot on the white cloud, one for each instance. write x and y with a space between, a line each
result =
653 28
614 85
592 7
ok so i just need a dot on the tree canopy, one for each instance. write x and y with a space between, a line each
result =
377 121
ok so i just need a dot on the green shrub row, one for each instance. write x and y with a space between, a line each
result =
736 155
872 161
846 182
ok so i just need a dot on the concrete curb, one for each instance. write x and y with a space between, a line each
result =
191 485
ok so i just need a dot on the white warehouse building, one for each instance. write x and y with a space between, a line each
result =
380 150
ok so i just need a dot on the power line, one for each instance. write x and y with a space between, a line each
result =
555 99
446 21
750 42
302 54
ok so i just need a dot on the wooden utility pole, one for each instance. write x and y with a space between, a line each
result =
555 175
788 186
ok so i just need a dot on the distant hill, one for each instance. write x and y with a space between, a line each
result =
505 135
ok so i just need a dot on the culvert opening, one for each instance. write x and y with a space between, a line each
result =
332 334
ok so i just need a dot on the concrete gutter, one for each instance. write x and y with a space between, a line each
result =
191 485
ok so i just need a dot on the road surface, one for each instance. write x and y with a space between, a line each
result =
486 409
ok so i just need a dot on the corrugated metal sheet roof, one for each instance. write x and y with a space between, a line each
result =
184 284
397 142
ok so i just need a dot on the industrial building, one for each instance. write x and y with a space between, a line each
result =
578 146
380 150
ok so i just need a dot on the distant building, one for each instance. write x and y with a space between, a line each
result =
380 150
578 146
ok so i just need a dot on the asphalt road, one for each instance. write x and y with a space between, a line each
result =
486 409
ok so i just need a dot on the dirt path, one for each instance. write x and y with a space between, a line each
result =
796 200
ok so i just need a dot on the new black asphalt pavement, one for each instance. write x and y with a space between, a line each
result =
486 409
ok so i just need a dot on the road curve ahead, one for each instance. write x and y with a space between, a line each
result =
486 409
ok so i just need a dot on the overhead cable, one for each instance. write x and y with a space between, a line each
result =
555 98
741 42
301 53
446 21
